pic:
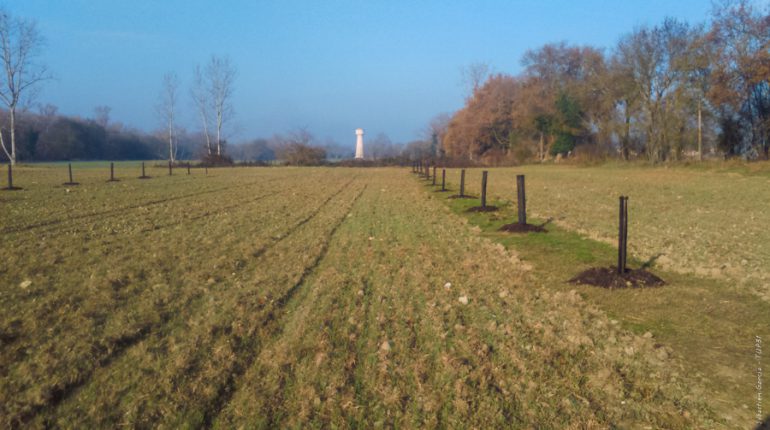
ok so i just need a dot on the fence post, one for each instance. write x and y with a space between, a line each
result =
144 176
427 170
69 175
188 168
112 172
484 189
10 176
623 235
169 168
434 175
443 179
462 183
522 199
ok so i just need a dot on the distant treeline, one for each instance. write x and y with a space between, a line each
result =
48 136
51 137
666 92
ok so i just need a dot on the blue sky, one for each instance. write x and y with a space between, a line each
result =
332 66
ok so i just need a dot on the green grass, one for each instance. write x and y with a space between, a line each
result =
709 323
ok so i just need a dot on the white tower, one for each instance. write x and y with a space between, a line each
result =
359 144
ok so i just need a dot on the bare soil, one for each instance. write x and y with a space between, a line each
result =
523 228
608 277
483 209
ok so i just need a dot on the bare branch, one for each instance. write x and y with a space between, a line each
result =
20 44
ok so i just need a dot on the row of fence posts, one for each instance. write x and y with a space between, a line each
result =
418 168
71 181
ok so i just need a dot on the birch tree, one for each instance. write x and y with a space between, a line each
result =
199 94
167 112
220 74
212 92
20 44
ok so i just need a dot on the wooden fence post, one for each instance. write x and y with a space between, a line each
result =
10 177
434 174
69 172
144 176
169 168
443 179
522 199
188 168
623 235
112 172
462 183
484 189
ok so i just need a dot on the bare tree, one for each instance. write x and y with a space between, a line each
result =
474 75
20 43
102 115
649 56
167 111
380 147
212 92
48 114
435 132
300 136
221 77
200 98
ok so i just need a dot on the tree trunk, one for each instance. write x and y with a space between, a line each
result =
208 137
626 136
219 133
12 112
700 133
542 148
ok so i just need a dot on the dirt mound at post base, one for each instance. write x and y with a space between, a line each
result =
466 196
608 277
522 228
483 209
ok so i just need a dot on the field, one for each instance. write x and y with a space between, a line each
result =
334 297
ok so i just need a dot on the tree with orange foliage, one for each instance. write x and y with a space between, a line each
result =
740 85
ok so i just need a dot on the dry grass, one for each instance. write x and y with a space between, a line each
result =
298 298
709 317
708 222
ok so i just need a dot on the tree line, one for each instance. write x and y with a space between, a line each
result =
45 135
665 92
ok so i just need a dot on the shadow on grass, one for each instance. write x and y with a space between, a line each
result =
709 323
